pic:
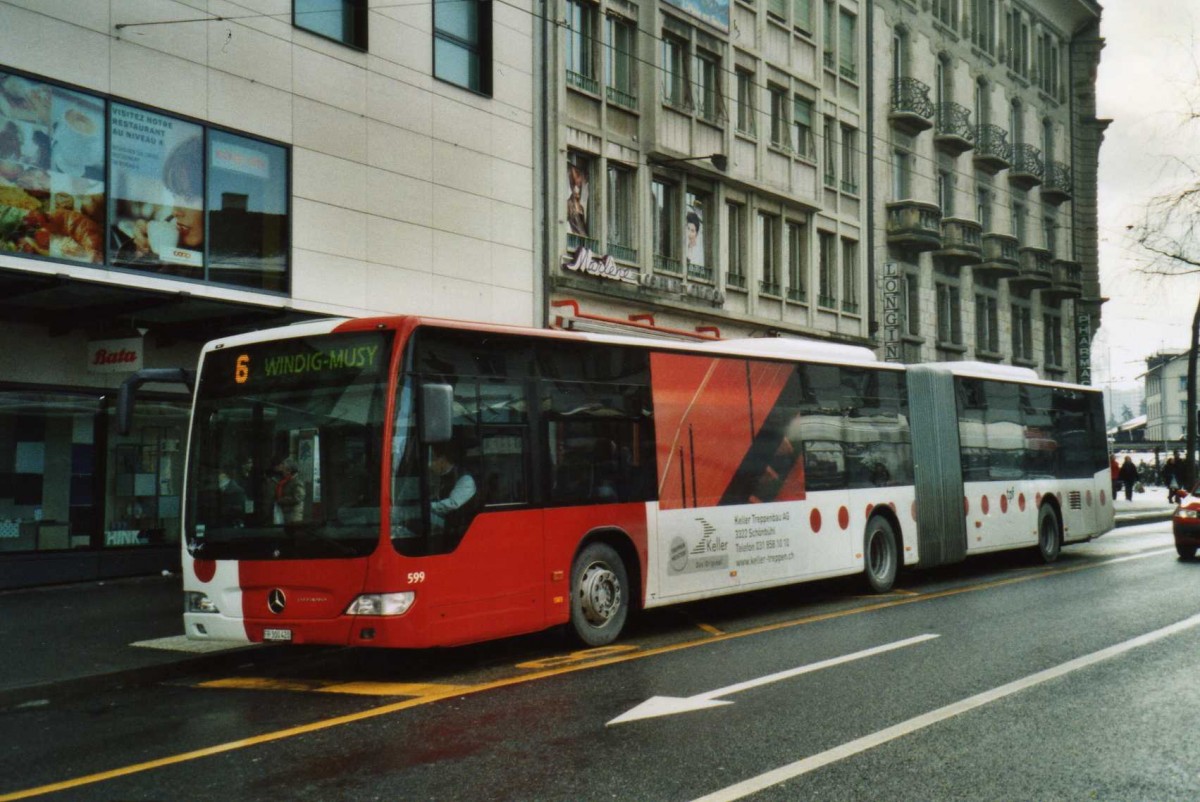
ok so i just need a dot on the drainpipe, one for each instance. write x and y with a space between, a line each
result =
542 153
872 320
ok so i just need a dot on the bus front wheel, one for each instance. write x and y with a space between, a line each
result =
599 595
881 555
1049 534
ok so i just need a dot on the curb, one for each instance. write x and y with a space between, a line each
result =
1134 518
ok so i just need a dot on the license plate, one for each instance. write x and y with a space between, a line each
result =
277 634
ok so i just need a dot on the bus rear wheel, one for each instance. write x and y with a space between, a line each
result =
599 595
1049 534
881 555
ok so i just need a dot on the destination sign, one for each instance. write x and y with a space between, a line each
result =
286 364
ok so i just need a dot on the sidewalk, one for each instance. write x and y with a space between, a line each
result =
72 638
1144 507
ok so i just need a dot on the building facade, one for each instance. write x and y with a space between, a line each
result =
986 154
707 166
168 175
917 177
1166 399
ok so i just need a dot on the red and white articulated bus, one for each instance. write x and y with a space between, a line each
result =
607 474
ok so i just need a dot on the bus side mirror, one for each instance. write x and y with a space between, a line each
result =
127 393
437 412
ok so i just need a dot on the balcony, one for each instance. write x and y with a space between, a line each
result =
1036 271
962 243
1057 188
914 226
1066 281
1000 258
1027 170
912 111
992 153
954 133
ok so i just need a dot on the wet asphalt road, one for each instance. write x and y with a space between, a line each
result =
1005 680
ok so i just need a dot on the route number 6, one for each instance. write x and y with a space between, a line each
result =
241 370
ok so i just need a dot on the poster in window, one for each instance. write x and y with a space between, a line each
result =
157 193
579 189
695 231
51 171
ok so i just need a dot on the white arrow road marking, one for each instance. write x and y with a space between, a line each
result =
669 705
859 745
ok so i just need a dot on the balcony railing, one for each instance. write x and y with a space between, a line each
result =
799 295
667 264
1066 281
912 111
699 272
735 281
620 97
962 243
580 81
1057 188
954 133
576 241
770 288
622 252
1027 170
914 226
1000 258
993 152
1035 272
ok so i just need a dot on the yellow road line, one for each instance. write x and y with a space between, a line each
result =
396 707
710 629
418 689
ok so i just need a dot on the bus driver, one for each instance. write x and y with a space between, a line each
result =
452 488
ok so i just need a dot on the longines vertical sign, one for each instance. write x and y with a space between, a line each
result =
891 312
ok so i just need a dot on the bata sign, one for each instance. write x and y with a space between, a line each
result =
115 356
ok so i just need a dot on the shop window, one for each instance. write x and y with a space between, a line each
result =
91 182
144 482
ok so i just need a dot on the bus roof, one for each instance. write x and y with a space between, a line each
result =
988 370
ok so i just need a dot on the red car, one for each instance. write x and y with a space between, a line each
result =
1186 525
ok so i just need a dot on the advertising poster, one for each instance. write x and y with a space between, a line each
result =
695 231
578 201
52 189
157 194
714 12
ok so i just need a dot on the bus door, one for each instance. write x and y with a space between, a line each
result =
937 466
460 508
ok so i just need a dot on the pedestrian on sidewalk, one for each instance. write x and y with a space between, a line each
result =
1128 477
1115 469
1170 479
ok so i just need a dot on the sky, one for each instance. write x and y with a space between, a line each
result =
1149 75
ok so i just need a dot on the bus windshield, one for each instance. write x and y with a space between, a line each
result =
286 448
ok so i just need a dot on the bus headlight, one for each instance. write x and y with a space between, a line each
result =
196 602
1187 513
382 603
